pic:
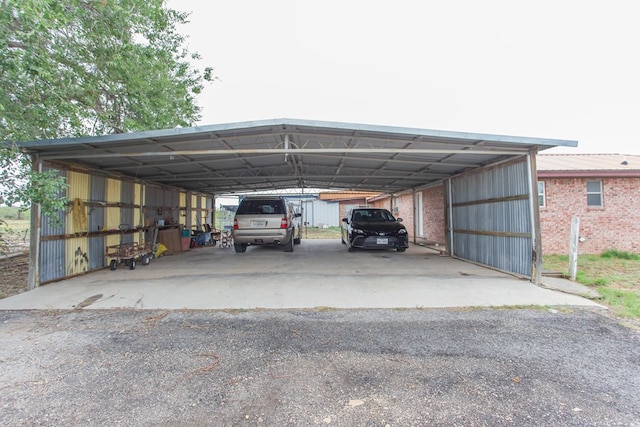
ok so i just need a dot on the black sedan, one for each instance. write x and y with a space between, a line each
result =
373 228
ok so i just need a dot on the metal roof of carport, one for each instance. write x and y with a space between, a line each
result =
288 153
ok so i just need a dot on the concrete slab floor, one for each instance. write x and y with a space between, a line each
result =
319 273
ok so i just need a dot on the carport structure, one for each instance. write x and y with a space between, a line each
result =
491 184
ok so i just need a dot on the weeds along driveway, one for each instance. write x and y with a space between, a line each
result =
319 273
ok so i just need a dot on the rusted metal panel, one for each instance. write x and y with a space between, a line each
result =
491 217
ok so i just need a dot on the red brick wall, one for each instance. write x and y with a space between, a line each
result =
405 211
615 225
381 203
433 206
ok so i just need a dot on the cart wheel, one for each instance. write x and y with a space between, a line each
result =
145 260
132 264
113 265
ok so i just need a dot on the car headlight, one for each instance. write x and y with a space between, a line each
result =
402 231
358 231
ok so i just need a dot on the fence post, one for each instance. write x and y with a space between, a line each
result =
573 247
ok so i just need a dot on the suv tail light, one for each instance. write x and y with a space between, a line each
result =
284 223
235 223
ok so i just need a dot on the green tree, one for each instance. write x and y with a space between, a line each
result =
87 67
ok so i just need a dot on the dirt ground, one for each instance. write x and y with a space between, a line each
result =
14 272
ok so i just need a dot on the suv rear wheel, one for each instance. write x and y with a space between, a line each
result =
239 247
288 247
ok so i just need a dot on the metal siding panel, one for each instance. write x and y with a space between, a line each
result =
112 214
96 252
154 197
52 253
78 185
126 213
319 212
113 239
48 229
170 211
137 200
77 189
192 215
52 260
77 258
509 253
97 192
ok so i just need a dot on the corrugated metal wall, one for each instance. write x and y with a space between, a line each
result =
127 221
77 248
102 207
317 213
163 204
52 252
96 222
490 217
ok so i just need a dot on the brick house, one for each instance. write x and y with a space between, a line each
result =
603 190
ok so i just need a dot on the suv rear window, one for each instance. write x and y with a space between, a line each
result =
261 207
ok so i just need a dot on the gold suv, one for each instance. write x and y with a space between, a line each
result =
266 220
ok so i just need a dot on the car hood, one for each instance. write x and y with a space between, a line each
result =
386 226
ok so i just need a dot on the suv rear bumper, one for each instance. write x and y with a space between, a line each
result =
262 237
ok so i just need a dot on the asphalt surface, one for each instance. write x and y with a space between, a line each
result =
384 367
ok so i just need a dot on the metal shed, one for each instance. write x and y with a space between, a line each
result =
490 179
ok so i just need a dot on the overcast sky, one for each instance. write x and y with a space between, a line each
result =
565 69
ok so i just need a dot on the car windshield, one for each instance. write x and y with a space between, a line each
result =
261 207
372 215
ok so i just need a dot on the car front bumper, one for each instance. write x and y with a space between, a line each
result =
379 242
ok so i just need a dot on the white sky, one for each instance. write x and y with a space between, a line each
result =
565 69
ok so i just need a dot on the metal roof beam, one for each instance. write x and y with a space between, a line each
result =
282 151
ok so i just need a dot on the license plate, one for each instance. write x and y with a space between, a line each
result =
258 224
382 241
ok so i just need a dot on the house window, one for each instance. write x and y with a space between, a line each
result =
542 201
594 193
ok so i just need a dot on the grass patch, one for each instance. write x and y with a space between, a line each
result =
321 233
10 212
625 303
611 253
614 274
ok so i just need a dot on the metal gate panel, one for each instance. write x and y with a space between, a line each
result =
490 217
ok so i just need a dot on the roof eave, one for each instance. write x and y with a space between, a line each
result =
589 174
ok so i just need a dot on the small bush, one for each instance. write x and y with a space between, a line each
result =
612 253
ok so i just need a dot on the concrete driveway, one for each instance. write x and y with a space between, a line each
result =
319 273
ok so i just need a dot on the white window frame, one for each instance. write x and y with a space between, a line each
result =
542 195
599 193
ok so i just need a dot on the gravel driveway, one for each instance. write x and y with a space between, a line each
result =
335 367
